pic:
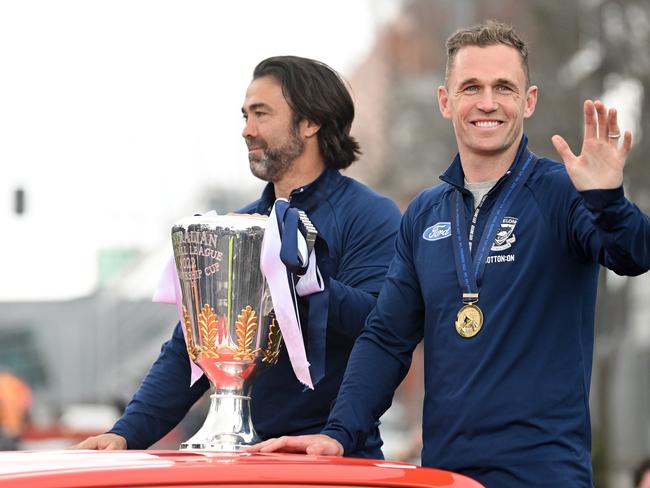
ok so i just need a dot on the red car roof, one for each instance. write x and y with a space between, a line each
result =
75 469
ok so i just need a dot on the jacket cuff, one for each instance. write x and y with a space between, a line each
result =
598 200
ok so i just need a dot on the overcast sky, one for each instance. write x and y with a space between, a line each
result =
112 112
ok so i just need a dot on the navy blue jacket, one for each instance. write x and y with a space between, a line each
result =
509 406
359 228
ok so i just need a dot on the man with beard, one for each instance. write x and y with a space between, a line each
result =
298 115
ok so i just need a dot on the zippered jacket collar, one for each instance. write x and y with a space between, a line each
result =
455 176
307 197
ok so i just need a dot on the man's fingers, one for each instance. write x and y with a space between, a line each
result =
613 131
258 446
590 120
102 442
89 443
563 149
288 444
627 144
283 444
614 134
304 444
601 114
273 445
81 445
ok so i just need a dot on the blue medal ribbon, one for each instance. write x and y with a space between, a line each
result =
470 272
288 224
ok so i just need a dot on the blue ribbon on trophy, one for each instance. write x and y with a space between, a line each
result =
297 258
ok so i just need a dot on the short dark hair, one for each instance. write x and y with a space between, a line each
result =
640 471
487 34
316 92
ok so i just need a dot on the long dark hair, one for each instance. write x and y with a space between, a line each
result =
316 92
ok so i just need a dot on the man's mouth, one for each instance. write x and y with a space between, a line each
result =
255 145
486 124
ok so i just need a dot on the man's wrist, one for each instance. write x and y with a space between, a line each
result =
342 438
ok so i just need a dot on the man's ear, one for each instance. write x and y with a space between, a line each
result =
309 128
531 101
443 102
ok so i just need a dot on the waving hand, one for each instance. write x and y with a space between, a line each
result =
599 166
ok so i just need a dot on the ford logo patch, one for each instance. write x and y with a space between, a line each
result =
441 230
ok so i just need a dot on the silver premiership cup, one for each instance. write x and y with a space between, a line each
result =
230 328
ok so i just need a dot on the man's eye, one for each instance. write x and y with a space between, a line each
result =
259 113
504 88
471 89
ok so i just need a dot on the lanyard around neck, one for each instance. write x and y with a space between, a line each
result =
470 271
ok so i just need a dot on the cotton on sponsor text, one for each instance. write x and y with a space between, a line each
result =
507 258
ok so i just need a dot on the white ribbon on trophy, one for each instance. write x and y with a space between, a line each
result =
284 297
169 291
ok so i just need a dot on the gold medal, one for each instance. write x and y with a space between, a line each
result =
469 321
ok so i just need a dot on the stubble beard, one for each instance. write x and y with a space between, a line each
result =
275 162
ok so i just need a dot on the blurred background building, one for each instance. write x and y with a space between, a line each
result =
117 118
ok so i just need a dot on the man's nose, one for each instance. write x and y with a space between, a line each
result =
250 130
487 102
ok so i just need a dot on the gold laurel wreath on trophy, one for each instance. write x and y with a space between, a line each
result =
272 352
208 331
246 328
192 350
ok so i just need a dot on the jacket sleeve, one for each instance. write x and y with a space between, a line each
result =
619 234
599 226
163 398
368 247
382 354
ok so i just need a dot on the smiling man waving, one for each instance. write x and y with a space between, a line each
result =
496 270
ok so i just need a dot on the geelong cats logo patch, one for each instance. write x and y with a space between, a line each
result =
505 235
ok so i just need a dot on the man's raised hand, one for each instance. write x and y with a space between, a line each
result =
599 166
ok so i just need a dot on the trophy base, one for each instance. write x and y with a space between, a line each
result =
220 445
227 428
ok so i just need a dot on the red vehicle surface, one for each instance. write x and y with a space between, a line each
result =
73 469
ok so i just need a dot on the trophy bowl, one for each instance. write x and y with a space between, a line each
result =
230 329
